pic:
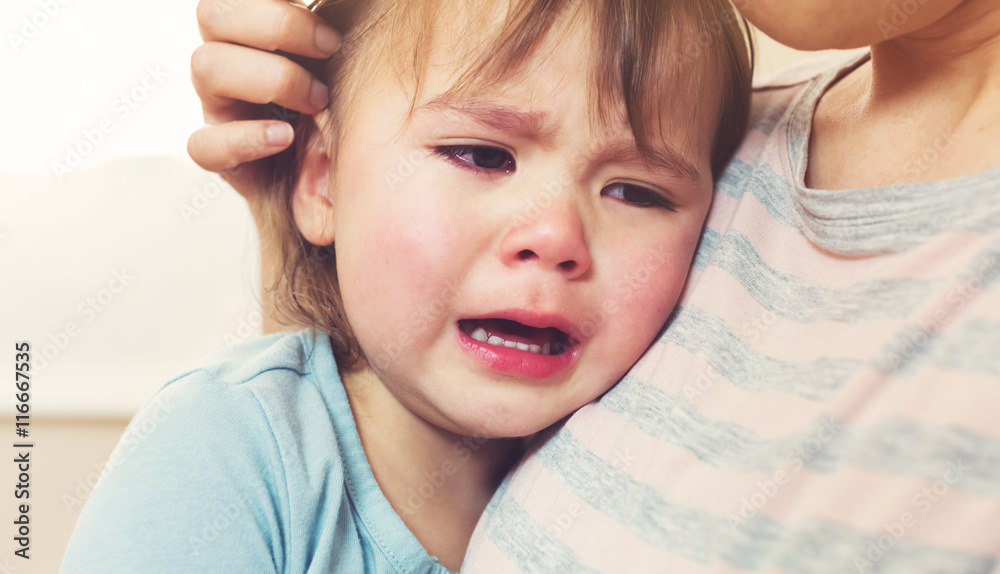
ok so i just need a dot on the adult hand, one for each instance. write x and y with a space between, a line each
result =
236 73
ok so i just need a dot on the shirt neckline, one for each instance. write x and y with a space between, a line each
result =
881 219
395 540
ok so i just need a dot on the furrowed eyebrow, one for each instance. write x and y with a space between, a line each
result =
662 158
536 125
498 116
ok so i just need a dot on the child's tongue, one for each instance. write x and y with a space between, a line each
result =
517 332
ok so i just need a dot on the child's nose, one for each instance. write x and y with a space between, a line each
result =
553 238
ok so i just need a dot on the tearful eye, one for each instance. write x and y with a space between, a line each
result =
637 195
478 157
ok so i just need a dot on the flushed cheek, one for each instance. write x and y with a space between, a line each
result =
636 306
404 277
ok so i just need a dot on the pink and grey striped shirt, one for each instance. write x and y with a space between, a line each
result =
825 399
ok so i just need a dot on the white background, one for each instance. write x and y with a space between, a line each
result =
68 75
121 210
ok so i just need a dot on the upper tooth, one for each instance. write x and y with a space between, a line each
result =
481 335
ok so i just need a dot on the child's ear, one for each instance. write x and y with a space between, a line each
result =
312 197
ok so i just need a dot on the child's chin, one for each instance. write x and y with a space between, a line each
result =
513 427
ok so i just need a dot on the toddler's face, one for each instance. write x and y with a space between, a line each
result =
502 260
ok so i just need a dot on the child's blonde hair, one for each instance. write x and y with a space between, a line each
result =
640 44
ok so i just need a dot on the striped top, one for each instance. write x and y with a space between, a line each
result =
825 399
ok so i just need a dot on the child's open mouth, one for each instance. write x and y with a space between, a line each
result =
514 335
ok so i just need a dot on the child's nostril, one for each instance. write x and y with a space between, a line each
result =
525 254
568 265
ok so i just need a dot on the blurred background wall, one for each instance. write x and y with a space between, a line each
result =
122 262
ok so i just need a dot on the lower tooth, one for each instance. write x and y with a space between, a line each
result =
522 347
494 340
480 335
545 349
535 348
510 344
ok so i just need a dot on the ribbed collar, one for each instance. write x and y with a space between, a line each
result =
883 219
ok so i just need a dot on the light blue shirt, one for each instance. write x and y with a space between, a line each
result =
251 463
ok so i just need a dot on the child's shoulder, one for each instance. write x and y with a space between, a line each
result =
234 462
277 359
245 361
280 378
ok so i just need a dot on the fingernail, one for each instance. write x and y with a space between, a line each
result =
319 95
327 39
279 134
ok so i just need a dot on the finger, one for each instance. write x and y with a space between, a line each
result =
225 74
267 25
224 147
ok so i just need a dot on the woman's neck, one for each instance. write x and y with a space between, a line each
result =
437 481
926 107
960 53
